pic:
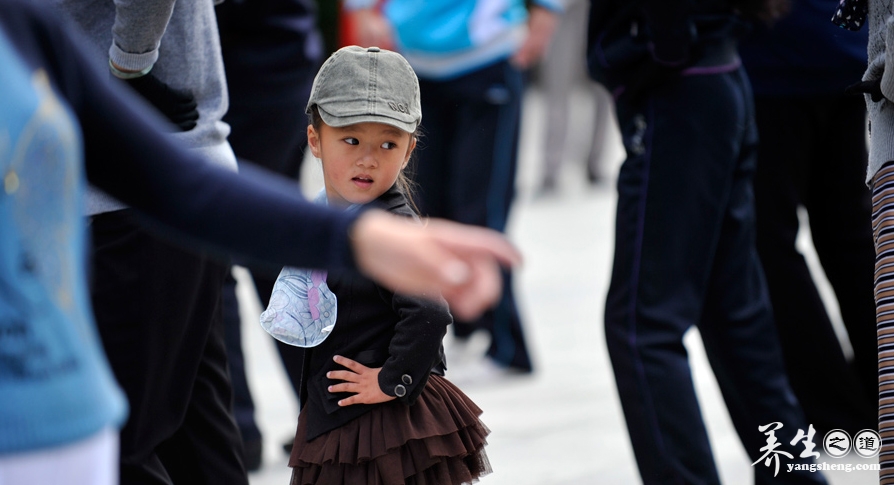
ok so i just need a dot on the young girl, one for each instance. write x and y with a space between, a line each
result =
375 407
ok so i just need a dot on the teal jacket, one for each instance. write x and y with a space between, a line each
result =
446 38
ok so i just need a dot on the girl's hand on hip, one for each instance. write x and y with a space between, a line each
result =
361 380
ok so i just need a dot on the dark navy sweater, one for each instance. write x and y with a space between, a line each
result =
804 53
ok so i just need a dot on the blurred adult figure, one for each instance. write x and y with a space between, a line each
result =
271 50
64 124
157 305
878 86
562 74
812 155
471 57
684 238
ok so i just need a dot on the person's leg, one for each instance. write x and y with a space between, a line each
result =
737 326
789 129
269 129
743 349
144 294
839 205
467 158
206 449
431 166
676 190
243 404
466 172
671 195
557 77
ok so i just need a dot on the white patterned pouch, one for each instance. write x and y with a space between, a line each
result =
302 308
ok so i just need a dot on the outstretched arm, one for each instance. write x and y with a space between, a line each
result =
255 214
460 262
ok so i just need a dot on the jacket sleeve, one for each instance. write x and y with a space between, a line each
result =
127 154
415 347
137 32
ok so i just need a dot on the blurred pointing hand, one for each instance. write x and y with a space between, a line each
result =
459 262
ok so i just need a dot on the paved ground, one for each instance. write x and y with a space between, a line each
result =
563 425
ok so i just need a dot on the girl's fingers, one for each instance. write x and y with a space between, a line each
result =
343 387
350 364
343 375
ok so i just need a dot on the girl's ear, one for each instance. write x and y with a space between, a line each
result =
313 141
409 152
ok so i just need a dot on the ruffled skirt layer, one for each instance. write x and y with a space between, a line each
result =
439 440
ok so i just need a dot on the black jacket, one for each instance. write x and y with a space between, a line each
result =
401 334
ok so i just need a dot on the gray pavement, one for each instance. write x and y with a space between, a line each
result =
563 425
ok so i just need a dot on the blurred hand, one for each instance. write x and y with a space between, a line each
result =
541 25
372 28
363 381
177 106
458 262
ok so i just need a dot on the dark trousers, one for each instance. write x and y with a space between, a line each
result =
269 129
465 171
291 357
813 155
684 257
157 309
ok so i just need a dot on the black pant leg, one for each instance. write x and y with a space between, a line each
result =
207 448
269 129
790 131
466 172
839 205
155 305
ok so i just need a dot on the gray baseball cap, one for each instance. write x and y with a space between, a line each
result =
357 85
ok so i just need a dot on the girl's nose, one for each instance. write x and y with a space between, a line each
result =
368 159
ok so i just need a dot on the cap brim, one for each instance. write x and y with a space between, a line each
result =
340 121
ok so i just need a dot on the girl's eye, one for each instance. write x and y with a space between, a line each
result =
389 145
352 141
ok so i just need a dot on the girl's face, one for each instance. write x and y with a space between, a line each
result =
360 161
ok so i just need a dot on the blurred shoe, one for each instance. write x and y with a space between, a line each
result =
594 177
253 452
287 446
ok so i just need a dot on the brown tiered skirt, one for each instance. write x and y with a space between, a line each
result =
439 440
